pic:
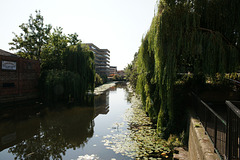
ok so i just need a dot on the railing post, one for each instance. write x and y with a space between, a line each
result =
229 126
205 118
215 132
227 136
238 134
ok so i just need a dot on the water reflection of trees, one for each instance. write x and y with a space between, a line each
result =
118 85
129 92
59 131
123 85
48 133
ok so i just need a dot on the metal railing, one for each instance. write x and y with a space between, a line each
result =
224 134
214 125
233 81
233 130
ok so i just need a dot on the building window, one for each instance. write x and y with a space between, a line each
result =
8 85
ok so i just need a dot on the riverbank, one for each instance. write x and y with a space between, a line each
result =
115 127
135 136
100 89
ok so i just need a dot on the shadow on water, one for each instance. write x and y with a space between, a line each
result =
43 132
114 127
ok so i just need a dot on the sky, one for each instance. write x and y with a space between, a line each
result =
116 25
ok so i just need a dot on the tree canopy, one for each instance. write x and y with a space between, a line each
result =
198 36
35 34
67 66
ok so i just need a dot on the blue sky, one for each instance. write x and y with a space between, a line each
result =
116 25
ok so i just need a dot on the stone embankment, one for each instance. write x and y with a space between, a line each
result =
200 146
99 90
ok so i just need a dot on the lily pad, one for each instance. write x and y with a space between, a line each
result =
140 140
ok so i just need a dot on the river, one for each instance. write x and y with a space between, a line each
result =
63 132
105 131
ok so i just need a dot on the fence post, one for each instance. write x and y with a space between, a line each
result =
205 118
215 132
227 136
229 144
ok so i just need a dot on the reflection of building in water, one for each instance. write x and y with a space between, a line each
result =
114 88
13 133
15 126
36 137
118 85
101 104
46 133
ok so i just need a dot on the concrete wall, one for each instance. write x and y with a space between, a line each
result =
199 145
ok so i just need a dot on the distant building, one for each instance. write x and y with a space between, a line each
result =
18 77
113 71
102 59
121 73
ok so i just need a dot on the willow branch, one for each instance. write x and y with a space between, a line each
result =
223 37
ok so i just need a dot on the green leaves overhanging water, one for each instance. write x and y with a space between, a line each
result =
201 37
74 78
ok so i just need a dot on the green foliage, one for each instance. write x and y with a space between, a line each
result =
52 53
60 84
118 78
131 72
104 78
35 34
67 67
234 76
142 142
185 36
73 79
73 39
98 80
79 59
39 42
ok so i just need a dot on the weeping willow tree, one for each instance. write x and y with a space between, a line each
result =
74 79
79 59
200 36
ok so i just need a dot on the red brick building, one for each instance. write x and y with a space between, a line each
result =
18 77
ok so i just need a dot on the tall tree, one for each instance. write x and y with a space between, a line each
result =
73 39
52 52
201 36
67 67
35 34
74 78
131 71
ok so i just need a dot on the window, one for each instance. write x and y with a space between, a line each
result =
8 85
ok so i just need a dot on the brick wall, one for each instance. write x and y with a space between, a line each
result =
23 80
29 71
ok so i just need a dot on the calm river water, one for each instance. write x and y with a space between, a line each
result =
72 133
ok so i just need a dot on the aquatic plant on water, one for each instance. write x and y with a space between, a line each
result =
140 140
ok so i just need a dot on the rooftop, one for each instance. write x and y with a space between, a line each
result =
5 53
103 50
